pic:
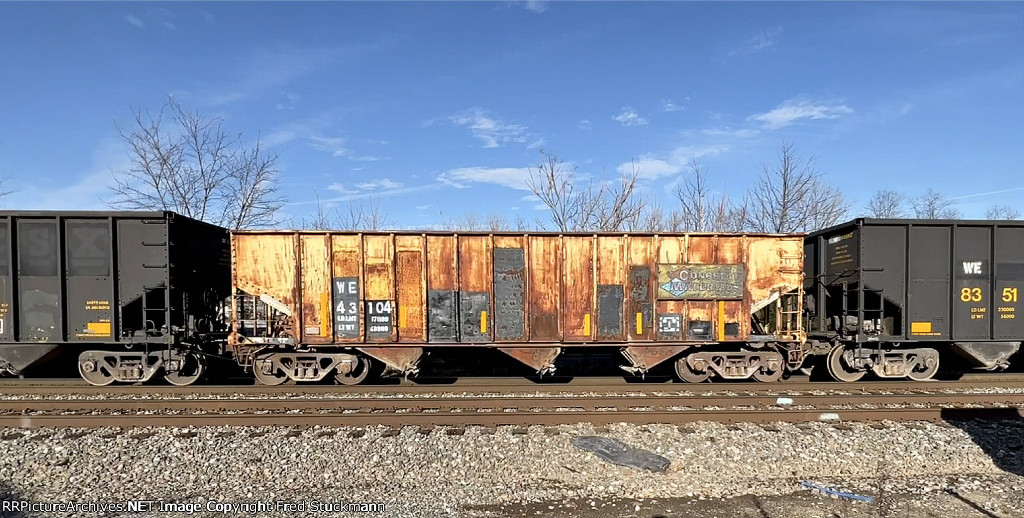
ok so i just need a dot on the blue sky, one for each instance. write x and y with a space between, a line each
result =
437 109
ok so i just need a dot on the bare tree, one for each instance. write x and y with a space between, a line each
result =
190 165
354 216
700 209
360 216
793 196
1003 212
932 205
576 204
887 204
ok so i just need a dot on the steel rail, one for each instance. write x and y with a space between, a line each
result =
504 385
512 411
460 419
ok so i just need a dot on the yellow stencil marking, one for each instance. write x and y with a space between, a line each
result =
586 324
920 327
483 322
99 328
325 313
721 320
639 323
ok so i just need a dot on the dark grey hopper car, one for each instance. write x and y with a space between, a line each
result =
890 295
136 292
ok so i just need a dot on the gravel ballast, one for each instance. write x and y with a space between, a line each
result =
507 471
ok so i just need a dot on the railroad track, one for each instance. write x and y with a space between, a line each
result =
504 385
496 411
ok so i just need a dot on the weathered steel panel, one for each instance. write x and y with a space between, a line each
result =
378 286
670 249
315 272
641 303
475 285
730 250
442 284
1008 319
411 299
443 317
701 249
774 265
579 289
39 304
701 281
545 286
640 321
509 294
609 312
90 289
700 317
473 316
442 268
347 287
265 265
611 270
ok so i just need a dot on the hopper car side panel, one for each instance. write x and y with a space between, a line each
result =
466 288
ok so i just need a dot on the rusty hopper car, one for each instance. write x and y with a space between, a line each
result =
311 304
894 296
137 293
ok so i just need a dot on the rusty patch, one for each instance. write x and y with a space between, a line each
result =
540 359
545 287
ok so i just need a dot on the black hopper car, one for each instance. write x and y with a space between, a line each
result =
138 293
893 297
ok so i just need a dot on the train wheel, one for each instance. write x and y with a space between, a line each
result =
267 373
838 369
358 373
191 367
96 371
687 374
765 376
925 372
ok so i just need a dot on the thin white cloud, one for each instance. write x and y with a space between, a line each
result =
584 125
512 177
989 193
537 6
333 145
492 131
629 117
135 20
382 184
652 168
795 110
670 106
424 207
